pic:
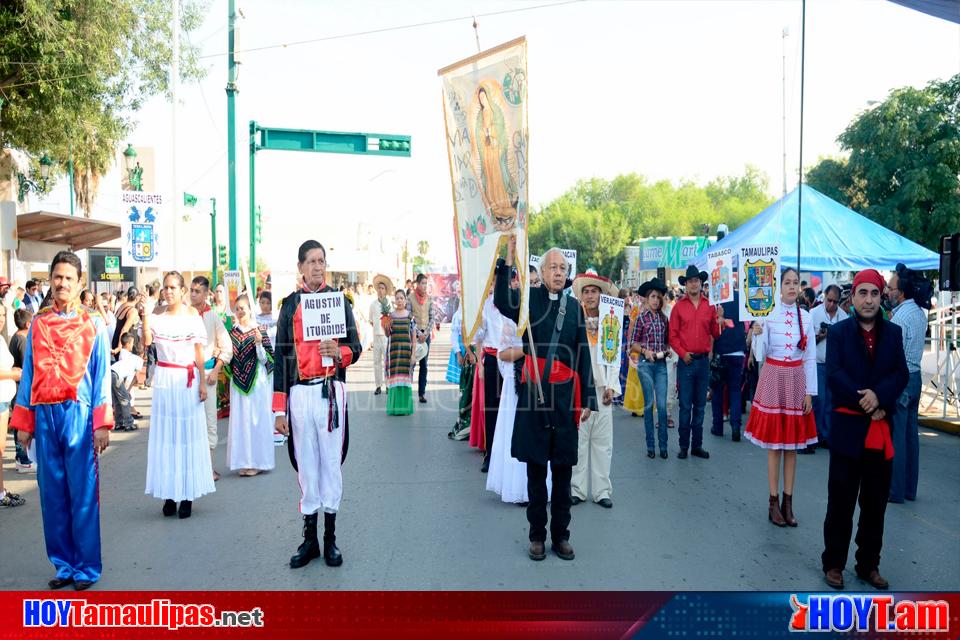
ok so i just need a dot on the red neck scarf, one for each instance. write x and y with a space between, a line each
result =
421 299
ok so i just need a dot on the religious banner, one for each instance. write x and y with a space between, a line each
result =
720 272
610 331
485 112
146 230
759 280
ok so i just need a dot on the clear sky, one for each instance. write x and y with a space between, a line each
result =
671 90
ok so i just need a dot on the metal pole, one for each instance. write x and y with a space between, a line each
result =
174 89
785 32
213 241
70 171
253 208
231 135
803 47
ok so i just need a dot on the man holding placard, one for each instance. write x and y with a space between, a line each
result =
595 449
316 339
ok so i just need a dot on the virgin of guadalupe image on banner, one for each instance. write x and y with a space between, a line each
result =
759 280
485 112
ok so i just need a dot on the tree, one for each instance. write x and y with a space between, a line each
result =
420 261
903 169
73 72
599 218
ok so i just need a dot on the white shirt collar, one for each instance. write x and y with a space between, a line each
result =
553 296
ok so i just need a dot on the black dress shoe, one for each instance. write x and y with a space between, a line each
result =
606 503
714 432
575 500
683 454
82 585
699 453
169 507
664 455
423 400
60 583
377 392
651 454
736 436
186 507
331 554
485 466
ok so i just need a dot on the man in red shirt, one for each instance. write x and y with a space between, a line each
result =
693 326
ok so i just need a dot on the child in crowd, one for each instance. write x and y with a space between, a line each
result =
123 373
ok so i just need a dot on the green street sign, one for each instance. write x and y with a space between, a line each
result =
189 200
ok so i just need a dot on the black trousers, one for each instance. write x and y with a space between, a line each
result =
559 504
121 402
492 383
422 375
869 479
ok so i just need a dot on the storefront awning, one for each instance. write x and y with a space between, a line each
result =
73 231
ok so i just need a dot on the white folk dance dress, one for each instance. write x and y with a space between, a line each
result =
776 419
178 455
250 441
507 476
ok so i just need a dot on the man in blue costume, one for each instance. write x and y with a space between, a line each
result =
64 401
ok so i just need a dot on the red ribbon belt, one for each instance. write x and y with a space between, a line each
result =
784 363
489 351
191 370
878 435
559 372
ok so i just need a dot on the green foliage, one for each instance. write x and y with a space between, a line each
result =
904 164
600 217
73 72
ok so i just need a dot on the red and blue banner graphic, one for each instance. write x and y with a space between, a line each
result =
443 614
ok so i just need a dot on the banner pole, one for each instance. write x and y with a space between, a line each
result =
536 367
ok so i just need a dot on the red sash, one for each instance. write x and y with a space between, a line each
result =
878 435
189 367
559 372
489 351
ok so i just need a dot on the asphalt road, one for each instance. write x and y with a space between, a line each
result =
415 515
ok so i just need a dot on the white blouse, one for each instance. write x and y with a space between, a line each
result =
781 333
175 335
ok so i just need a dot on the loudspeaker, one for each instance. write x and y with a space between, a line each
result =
950 263
662 274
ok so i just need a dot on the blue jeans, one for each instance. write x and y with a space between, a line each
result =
653 380
693 380
906 443
732 378
821 404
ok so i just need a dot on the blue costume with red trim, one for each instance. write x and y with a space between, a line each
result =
64 396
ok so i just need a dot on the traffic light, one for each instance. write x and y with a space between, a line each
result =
222 254
396 146
258 227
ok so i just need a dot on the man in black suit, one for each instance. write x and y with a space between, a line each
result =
866 373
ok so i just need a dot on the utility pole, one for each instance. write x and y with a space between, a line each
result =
174 87
231 133
213 241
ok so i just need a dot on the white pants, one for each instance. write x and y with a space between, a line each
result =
594 452
210 410
379 355
318 448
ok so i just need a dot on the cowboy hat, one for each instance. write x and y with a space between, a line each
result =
692 272
591 279
656 284
377 279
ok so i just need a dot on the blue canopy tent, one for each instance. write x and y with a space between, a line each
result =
835 238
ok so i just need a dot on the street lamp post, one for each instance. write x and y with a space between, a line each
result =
134 170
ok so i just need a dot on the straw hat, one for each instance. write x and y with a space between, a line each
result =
591 279
377 279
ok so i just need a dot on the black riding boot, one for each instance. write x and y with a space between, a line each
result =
310 548
331 554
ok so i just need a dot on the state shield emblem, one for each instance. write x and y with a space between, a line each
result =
610 337
143 242
761 286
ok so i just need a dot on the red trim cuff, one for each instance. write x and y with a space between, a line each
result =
346 356
279 401
103 417
22 419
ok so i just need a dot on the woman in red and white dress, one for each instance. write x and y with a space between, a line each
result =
781 419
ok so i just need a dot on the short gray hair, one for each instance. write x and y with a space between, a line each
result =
543 258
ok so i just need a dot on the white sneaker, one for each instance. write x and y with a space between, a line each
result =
26 468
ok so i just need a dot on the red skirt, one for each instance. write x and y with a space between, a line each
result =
776 419
478 434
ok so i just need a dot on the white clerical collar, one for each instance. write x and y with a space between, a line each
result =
553 296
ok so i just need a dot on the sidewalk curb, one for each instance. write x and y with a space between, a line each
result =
939 424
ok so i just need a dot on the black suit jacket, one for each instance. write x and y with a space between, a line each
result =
850 368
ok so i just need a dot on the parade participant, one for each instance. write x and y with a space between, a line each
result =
400 334
546 433
595 436
250 441
781 416
179 465
266 318
731 350
457 348
866 372
534 277
9 376
18 347
310 405
468 362
487 340
823 317
123 373
693 325
64 400
380 308
128 321
507 476
649 346
217 352
425 313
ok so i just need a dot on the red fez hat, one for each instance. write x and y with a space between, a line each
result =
870 276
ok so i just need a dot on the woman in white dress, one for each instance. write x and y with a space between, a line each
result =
250 448
507 476
178 458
